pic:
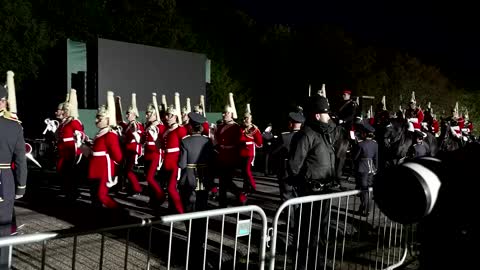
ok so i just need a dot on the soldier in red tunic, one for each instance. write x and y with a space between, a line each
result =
106 152
132 134
414 114
169 142
227 141
153 156
435 126
382 115
185 111
456 122
70 134
468 124
251 138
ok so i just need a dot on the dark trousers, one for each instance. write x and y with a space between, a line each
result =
6 217
287 192
195 201
311 233
70 175
363 181
226 184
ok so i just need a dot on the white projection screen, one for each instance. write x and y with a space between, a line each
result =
126 68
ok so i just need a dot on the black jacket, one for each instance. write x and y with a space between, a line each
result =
196 153
312 156
281 154
12 149
348 111
366 156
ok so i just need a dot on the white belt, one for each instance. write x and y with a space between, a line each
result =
248 143
70 139
111 182
151 143
172 150
100 154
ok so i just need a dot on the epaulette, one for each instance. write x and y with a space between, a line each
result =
185 137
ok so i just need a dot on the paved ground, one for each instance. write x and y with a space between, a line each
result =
44 210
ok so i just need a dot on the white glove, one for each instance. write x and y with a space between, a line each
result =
340 121
52 125
78 138
154 133
136 136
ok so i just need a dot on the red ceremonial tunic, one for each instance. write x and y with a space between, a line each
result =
66 143
152 131
205 132
415 117
249 139
170 141
458 127
106 150
133 133
470 127
435 126
206 129
227 137
66 137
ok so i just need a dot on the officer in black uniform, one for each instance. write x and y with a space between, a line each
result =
365 157
296 120
12 182
311 165
418 148
348 111
196 154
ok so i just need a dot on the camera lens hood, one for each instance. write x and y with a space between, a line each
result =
408 192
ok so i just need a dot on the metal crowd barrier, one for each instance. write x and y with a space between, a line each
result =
328 233
144 245
245 227
313 232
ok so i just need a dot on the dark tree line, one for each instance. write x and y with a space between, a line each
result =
269 66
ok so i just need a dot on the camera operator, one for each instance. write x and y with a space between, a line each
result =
434 193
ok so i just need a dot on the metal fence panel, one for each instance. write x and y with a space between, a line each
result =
327 232
313 232
242 236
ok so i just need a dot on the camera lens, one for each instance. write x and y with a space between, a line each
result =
408 192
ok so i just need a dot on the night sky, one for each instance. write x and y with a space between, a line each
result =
442 34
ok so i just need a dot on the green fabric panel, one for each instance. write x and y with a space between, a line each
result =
76 59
